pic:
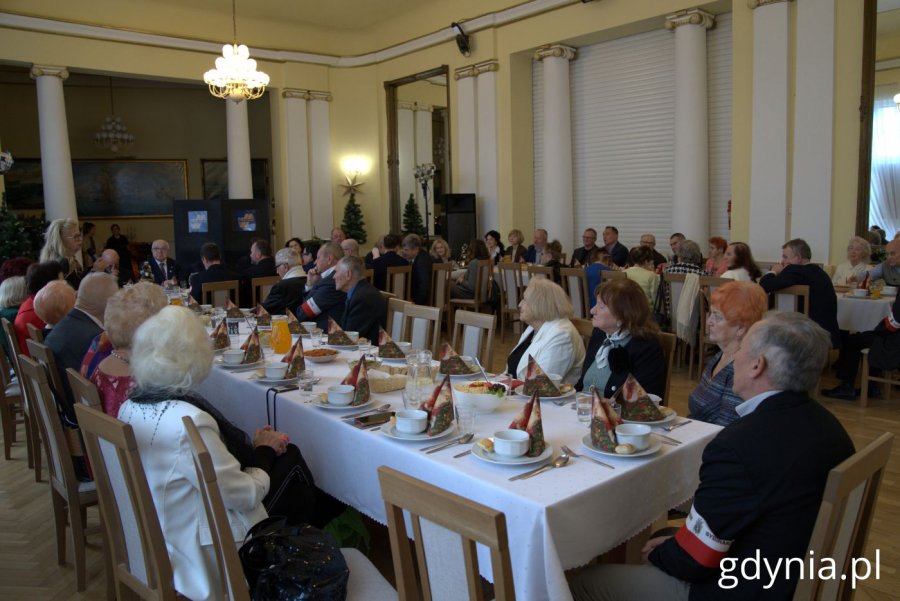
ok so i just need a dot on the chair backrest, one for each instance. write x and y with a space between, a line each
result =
370 275
215 293
540 271
12 343
139 557
473 335
261 287
422 327
44 354
483 281
511 285
394 322
576 285
844 517
611 274
438 519
709 284
83 390
440 284
398 281
792 298
585 329
35 333
668 340
231 573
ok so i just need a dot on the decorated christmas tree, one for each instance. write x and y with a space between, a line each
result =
353 224
412 218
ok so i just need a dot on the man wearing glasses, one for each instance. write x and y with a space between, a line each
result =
162 266
579 255
288 293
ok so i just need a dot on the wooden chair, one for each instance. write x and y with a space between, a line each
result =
141 566
668 342
473 335
394 322
370 275
540 271
10 406
708 285
44 354
66 492
261 287
434 512
32 429
422 327
576 285
398 281
83 390
889 378
792 298
844 518
585 329
674 283
440 286
611 274
482 290
215 293
511 290
35 333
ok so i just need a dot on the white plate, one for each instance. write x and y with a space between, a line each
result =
343 347
462 377
391 432
322 359
220 362
501 460
221 350
655 445
665 420
393 360
518 392
272 381
327 405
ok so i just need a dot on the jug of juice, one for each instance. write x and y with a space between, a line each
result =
281 334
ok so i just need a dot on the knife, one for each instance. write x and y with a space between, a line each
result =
668 439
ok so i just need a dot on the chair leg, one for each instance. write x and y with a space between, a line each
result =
864 384
36 449
6 418
59 518
29 448
77 518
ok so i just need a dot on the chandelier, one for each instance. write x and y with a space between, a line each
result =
235 76
113 135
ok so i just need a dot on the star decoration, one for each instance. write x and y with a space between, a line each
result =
352 186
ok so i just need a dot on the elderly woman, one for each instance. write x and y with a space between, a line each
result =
689 259
296 244
741 266
854 268
37 276
516 250
440 251
625 341
550 336
466 283
170 357
12 294
716 264
53 302
63 241
494 245
734 307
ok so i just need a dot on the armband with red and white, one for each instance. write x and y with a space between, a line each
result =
311 308
891 324
700 542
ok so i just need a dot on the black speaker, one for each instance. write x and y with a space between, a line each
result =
460 225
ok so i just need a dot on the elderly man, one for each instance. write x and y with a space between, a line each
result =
795 269
420 281
53 302
535 252
649 240
115 267
674 240
338 235
366 308
287 293
213 271
389 258
580 255
616 250
350 247
163 267
761 480
889 269
322 299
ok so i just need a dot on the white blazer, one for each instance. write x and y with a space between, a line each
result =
558 349
166 456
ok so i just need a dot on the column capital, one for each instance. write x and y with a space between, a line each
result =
326 96
757 3
693 16
49 70
554 51
487 66
463 72
295 93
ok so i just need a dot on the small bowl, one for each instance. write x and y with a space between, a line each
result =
340 395
233 356
275 371
889 291
309 325
860 292
483 402
511 443
637 435
411 421
354 336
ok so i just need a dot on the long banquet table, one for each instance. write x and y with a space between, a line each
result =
862 314
556 521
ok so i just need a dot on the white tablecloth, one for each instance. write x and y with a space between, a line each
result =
556 521
862 314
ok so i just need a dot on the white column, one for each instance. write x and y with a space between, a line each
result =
299 202
558 144
769 140
56 157
813 126
406 152
321 184
424 154
690 198
467 137
486 92
240 182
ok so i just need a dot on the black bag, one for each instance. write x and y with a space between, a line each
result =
293 563
661 306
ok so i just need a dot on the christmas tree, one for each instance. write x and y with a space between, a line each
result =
412 218
353 224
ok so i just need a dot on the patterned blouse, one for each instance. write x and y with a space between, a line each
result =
714 400
114 390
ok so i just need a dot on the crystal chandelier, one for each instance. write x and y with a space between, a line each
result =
235 76
113 135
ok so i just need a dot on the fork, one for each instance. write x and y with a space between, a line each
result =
678 425
572 453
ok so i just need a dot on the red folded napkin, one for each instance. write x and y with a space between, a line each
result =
637 406
295 359
536 380
336 334
359 379
439 408
529 420
603 424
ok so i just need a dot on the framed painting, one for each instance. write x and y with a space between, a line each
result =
25 185
215 178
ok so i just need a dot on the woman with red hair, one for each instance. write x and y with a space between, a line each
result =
734 307
716 264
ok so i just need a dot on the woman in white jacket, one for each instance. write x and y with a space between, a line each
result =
550 336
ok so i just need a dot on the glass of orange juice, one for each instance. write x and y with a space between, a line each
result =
281 334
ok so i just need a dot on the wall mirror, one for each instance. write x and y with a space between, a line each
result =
418 118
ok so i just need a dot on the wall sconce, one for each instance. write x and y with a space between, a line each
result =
354 165
897 100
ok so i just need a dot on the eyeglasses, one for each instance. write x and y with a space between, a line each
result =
75 236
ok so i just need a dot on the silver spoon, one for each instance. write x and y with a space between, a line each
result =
461 440
572 453
483 374
558 462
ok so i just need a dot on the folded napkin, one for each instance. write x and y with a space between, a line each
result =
294 325
253 352
452 364
262 316
387 348
336 334
232 311
220 335
439 408
537 381
295 360
359 379
193 305
603 423
529 419
636 403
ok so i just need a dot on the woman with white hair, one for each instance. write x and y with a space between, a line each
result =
62 244
854 268
170 357
550 336
13 293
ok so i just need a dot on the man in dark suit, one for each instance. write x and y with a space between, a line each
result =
164 269
389 258
366 308
580 255
262 265
761 481
213 271
322 300
70 338
288 293
616 250
535 252
795 269
420 282
649 240
117 241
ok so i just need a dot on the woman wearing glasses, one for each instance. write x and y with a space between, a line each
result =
63 245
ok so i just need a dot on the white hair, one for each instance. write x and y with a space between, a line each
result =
795 347
171 352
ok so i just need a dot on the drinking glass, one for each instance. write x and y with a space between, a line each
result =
583 406
305 381
411 392
410 399
315 337
465 418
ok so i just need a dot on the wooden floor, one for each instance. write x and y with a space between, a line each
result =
28 567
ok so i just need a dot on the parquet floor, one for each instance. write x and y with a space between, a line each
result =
28 567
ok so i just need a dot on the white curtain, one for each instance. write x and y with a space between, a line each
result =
884 195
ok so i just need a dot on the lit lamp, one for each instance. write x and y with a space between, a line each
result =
353 167
113 134
235 76
897 100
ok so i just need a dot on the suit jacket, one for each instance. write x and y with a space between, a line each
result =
531 254
579 254
322 301
214 273
263 269
420 282
519 253
69 340
365 311
286 294
157 272
761 484
822 299
381 264
646 362
557 347
619 254
885 348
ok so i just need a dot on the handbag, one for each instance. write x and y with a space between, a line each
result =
660 307
293 563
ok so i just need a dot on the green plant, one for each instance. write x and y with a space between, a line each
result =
412 218
353 224
21 236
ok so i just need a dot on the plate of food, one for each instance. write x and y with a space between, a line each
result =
566 391
491 457
669 413
320 355
390 431
655 446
